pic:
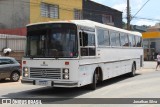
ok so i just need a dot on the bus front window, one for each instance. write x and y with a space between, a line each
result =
62 43
55 41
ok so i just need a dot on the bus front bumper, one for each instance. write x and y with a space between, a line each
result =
52 83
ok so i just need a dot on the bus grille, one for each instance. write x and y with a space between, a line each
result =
48 73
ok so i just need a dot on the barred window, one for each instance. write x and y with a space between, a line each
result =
77 14
49 10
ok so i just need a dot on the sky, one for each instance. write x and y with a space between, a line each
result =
150 11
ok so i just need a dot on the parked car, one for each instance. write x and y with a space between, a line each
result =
9 68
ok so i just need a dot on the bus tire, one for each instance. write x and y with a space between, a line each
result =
133 71
92 86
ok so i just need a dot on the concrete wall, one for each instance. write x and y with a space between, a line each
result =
14 42
14 13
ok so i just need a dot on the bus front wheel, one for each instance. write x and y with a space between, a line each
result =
92 86
133 71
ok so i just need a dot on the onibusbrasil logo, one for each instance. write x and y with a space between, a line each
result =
20 101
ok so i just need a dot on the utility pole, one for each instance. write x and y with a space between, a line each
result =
128 15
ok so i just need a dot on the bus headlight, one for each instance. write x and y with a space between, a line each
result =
65 73
66 70
25 72
65 76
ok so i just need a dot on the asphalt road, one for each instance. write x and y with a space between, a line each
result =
146 84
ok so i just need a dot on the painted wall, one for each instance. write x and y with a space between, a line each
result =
14 13
66 9
151 41
151 35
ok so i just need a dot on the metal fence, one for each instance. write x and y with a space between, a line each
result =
14 42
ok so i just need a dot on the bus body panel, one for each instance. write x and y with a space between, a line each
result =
52 70
113 61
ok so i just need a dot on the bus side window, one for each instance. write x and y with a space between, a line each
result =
124 40
115 39
81 39
132 40
87 43
138 42
85 39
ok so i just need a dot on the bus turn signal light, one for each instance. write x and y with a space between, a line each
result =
66 63
24 62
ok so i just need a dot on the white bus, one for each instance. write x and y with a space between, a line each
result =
79 52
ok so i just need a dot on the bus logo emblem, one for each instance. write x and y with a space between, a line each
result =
44 73
44 64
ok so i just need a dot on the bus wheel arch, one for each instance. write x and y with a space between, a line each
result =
133 70
97 77
99 73
134 62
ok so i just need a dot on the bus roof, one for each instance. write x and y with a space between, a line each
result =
92 24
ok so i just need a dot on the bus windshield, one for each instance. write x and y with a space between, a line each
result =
56 40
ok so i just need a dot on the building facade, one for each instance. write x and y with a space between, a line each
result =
54 10
16 14
151 40
101 13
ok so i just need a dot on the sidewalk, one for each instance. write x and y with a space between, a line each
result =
149 66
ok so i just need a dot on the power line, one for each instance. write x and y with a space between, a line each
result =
147 19
140 9
139 18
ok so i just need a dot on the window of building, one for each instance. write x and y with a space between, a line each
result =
107 19
77 14
49 10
